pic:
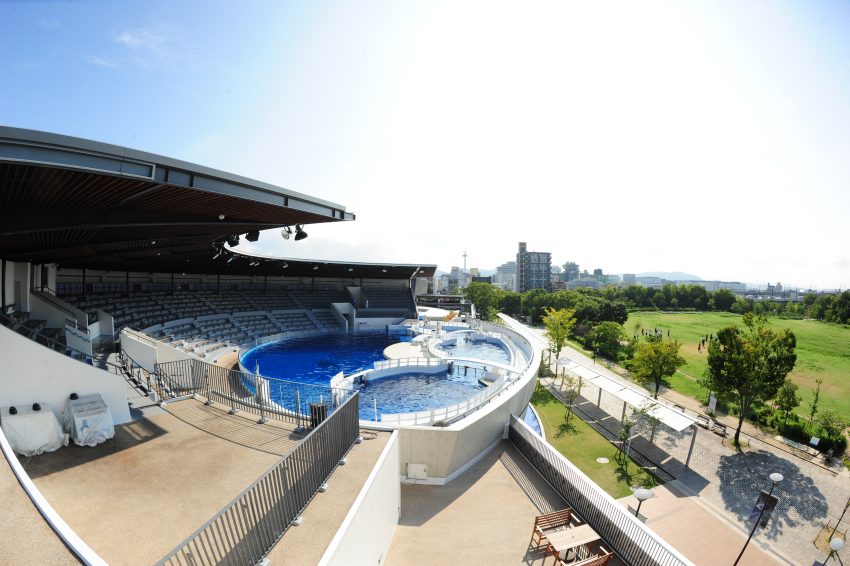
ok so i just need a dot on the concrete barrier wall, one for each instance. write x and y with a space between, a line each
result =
29 372
365 535
448 452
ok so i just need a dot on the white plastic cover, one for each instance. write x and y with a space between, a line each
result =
89 421
33 432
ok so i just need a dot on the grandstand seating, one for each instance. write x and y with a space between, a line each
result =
386 303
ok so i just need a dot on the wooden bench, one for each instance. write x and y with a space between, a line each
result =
703 421
719 428
550 521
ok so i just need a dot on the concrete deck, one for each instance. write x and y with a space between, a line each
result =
691 528
405 350
324 515
26 537
483 517
135 497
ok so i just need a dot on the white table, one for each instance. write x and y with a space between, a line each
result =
567 539
32 432
88 420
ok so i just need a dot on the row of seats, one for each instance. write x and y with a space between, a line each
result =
142 310
388 298
202 336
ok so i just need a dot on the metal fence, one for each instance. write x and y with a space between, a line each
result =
248 527
299 403
631 540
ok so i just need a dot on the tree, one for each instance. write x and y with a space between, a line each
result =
605 339
485 297
831 424
813 405
559 325
656 359
571 393
723 299
787 399
751 365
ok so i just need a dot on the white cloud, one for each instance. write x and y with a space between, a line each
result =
101 62
150 47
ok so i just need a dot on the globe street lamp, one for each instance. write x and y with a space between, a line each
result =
642 495
775 478
835 546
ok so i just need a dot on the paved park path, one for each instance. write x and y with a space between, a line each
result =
726 482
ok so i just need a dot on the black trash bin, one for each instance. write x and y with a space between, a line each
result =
318 413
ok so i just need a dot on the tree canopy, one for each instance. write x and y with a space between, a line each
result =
750 364
559 325
655 359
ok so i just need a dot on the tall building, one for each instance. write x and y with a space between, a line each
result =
506 276
570 271
533 269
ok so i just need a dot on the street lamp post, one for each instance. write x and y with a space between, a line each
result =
835 546
642 495
775 478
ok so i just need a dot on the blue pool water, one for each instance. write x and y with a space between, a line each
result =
478 349
531 420
315 359
416 392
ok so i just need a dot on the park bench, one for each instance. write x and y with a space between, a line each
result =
550 522
703 421
719 428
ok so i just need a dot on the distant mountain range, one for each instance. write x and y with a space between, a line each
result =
671 275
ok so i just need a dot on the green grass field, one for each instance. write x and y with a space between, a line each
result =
823 351
582 446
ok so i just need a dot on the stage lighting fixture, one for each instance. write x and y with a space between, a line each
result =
218 253
284 266
300 234
221 217
252 236
233 240
286 233
315 267
231 258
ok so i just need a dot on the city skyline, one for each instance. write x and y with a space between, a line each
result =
709 138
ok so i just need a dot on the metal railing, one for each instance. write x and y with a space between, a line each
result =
248 527
270 398
633 542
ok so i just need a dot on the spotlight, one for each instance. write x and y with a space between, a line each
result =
218 254
315 267
221 217
284 266
351 269
383 271
253 236
300 234
233 240
231 258
286 233
254 263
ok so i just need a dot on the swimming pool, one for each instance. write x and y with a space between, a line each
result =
467 347
315 359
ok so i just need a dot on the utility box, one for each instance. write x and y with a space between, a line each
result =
417 471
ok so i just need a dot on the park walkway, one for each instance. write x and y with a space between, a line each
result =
727 482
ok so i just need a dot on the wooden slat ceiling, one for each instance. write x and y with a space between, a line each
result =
82 219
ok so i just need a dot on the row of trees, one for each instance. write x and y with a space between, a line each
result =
613 303
828 308
748 365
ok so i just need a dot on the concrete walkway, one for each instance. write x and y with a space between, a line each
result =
483 517
25 537
323 516
135 497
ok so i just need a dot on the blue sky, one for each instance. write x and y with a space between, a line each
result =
711 138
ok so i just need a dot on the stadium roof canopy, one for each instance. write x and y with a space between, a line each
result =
86 204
